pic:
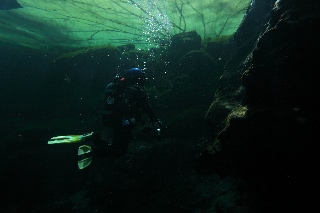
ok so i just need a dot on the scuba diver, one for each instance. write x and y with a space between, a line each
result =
126 101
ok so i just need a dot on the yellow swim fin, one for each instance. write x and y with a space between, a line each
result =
69 138
83 152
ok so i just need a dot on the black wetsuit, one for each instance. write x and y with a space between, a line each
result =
130 101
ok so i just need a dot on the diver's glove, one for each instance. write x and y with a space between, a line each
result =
125 123
129 122
157 128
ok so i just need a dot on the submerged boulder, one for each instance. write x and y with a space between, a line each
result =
183 43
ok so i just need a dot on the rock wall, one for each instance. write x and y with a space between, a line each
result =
271 138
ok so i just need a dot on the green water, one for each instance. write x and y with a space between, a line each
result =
69 24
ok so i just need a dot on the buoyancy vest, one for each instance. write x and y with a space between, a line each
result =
123 101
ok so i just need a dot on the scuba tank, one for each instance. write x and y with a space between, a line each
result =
108 104
112 96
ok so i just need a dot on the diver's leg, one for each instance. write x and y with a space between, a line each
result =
101 147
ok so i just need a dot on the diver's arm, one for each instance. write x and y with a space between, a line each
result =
150 112
147 106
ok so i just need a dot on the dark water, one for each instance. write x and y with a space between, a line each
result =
238 120
39 102
42 97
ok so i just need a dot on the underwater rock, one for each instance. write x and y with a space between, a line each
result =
126 47
215 49
284 62
233 58
9 4
273 144
79 74
186 40
192 85
183 43
198 74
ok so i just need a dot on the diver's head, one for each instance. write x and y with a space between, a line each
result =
135 76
